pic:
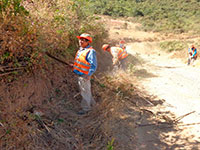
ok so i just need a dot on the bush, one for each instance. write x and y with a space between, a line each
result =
17 35
29 29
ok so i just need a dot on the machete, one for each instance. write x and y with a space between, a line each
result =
61 61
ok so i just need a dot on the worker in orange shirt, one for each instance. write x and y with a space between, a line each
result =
119 56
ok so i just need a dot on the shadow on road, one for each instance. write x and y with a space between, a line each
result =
143 73
133 63
142 128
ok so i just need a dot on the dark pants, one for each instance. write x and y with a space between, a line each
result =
124 63
121 65
191 60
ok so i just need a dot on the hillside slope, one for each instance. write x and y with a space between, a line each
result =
39 111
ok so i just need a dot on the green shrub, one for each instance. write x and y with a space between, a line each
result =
11 7
167 16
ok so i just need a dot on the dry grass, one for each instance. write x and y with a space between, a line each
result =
50 26
45 117
38 109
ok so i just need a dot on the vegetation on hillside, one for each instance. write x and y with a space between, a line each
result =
28 29
169 16
170 46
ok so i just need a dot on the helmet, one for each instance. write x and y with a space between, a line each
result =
85 36
122 42
105 46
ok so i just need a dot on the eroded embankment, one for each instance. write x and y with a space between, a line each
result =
39 112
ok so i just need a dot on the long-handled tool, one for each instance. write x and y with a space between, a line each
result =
61 61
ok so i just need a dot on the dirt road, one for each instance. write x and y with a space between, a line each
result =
168 80
172 81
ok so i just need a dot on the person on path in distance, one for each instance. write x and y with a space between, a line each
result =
85 64
192 54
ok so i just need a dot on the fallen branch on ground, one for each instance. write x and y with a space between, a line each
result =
173 122
181 117
41 123
10 70
168 125
1 124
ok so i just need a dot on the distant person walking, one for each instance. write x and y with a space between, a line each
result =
119 56
192 54
85 64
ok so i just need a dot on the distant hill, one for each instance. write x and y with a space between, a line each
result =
158 15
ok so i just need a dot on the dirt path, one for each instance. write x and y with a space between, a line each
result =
177 84
174 82
168 80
